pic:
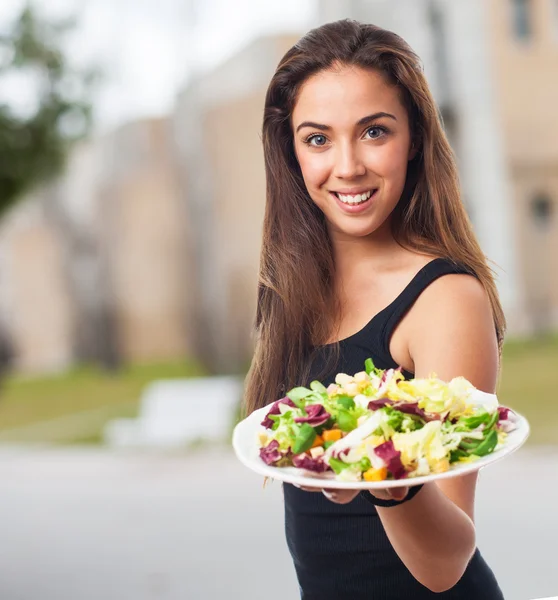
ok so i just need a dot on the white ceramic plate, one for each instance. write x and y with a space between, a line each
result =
245 444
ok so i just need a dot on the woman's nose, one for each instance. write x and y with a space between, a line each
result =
348 163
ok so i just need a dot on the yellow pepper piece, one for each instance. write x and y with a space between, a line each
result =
331 435
319 441
441 466
375 474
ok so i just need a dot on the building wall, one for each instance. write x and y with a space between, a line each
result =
233 141
526 74
218 127
37 310
537 237
143 237
94 267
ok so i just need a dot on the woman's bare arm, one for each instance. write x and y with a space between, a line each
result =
451 334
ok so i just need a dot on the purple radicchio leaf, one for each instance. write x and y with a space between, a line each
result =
339 453
270 454
317 415
507 419
303 461
380 403
274 410
387 376
503 412
412 408
392 458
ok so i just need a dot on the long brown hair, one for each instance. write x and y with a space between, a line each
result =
296 306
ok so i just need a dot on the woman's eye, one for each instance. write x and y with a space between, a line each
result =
316 140
375 132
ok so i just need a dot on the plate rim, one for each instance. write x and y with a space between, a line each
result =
299 476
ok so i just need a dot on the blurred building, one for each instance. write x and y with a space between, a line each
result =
524 57
37 314
94 266
148 248
143 243
218 121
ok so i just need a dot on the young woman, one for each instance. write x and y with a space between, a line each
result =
368 252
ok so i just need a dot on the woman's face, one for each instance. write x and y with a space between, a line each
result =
352 141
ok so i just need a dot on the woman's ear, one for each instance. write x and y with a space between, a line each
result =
413 151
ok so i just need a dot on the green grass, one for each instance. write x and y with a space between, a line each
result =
74 406
528 385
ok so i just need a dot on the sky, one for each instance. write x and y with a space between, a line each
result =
147 48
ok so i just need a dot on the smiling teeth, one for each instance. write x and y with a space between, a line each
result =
356 199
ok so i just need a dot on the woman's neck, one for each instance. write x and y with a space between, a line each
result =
356 258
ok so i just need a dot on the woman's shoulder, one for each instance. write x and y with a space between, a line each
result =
452 329
427 269
415 262
454 292
441 289
410 262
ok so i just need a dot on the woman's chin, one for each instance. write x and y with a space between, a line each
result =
353 230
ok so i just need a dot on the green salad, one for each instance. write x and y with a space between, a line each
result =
376 425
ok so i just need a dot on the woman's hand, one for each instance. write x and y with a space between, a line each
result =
398 493
337 496
346 496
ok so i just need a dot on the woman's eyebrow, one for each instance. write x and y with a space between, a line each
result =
375 116
360 122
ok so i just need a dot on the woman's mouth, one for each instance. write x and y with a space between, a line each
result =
355 203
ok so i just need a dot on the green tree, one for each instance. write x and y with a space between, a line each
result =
34 147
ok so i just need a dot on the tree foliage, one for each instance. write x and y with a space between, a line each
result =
35 143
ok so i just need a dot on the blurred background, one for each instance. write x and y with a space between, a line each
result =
131 200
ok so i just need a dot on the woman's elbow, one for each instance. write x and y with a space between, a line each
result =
447 576
438 587
442 582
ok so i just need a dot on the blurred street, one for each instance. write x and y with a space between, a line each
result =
86 524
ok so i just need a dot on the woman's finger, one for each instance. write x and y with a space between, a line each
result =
399 493
340 496
337 496
307 489
391 494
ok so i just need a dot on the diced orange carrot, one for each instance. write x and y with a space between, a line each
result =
375 474
331 435
319 441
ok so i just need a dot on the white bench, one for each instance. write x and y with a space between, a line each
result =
177 412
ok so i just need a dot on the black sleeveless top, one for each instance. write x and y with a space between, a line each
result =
341 552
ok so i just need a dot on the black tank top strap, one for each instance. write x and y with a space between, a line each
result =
390 317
